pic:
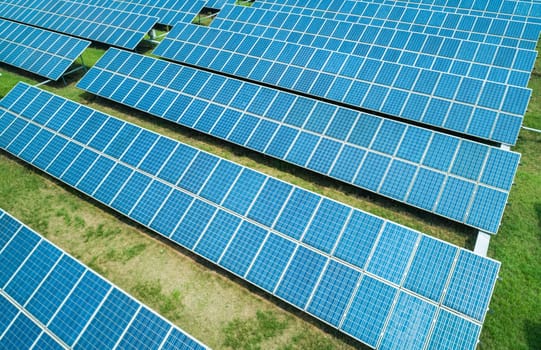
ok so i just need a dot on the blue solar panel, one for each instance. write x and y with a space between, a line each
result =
326 225
333 292
453 332
419 106
409 325
21 334
101 24
297 213
246 241
52 301
369 309
301 276
468 268
432 260
393 252
353 147
476 59
38 51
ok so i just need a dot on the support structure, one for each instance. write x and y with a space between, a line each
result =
482 243
81 67
531 129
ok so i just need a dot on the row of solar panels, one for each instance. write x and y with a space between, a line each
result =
38 51
514 33
521 10
48 300
507 10
379 282
459 179
471 106
485 61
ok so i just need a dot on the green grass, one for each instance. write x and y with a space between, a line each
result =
169 304
211 304
249 334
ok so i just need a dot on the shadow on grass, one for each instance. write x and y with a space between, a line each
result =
537 208
533 334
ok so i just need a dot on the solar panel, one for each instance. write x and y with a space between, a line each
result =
473 59
400 161
96 23
239 231
444 100
49 300
38 51
520 11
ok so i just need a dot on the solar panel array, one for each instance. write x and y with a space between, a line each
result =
471 106
521 11
368 277
95 23
450 25
473 59
38 51
456 178
51 301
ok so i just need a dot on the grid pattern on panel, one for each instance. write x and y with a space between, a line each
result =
446 100
527 11
38 51
87 310
486 61
383 156
101 24
420 12
249 247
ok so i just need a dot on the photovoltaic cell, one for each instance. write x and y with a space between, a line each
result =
52 301
300 272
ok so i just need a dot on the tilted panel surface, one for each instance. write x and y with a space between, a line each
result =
101 24
112 162
527 11
38 51
486 61
403 162
492 111
518 11
50 300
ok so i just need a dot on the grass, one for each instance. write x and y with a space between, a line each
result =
214 306
168 305
249 334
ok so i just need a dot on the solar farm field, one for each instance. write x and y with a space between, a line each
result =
220 309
